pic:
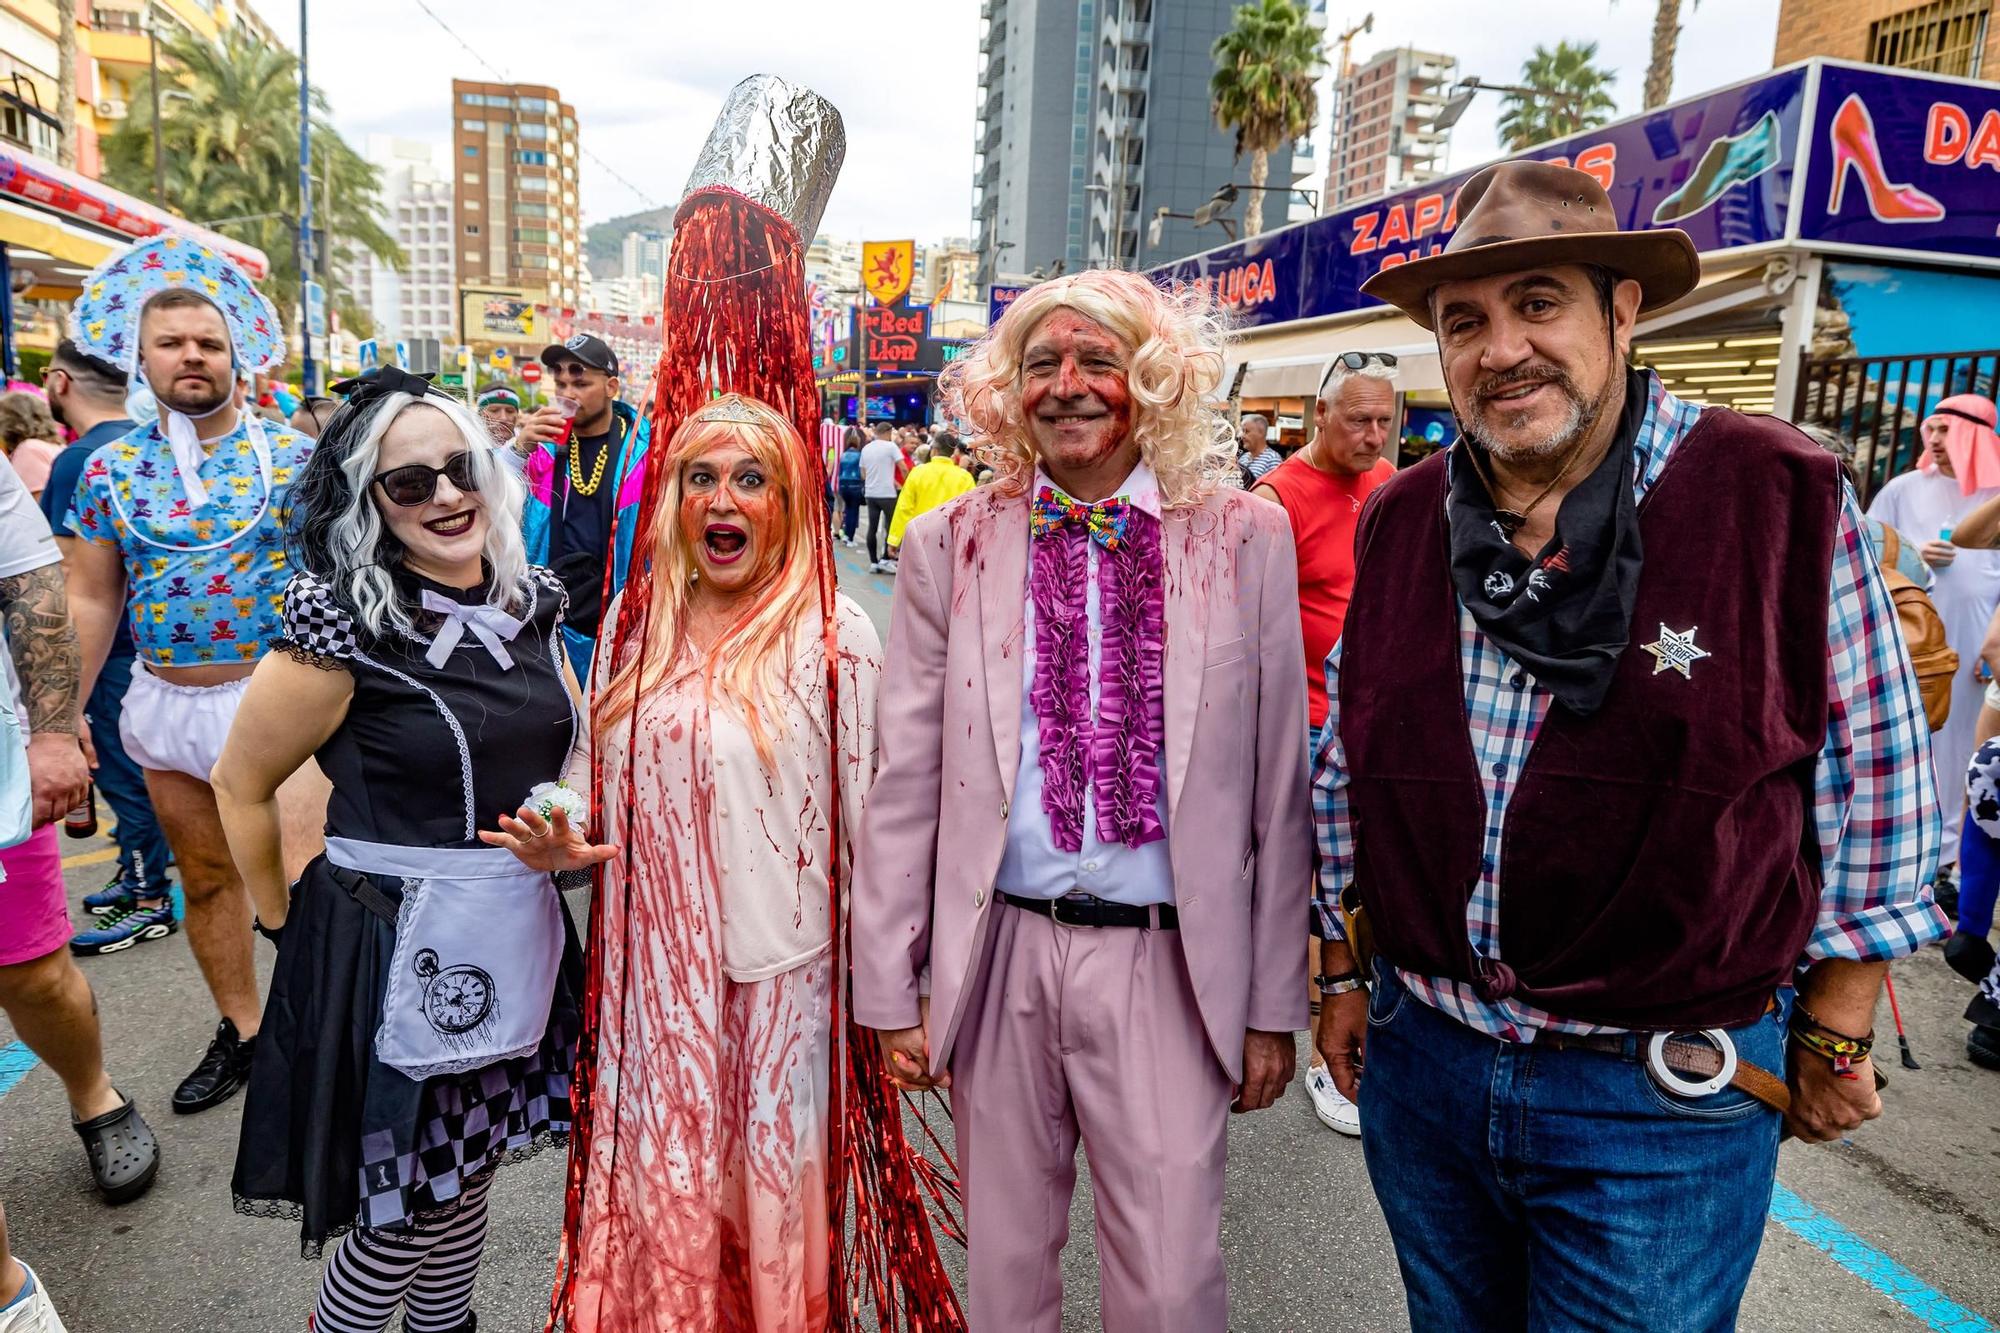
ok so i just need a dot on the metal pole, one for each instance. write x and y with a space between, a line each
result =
8 352
309 379
159 155
861 358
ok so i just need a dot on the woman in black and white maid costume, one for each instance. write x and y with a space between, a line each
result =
422 1020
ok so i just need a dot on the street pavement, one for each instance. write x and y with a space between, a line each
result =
1897 1229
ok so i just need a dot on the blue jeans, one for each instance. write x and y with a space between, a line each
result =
1536 1189
142 848
850 514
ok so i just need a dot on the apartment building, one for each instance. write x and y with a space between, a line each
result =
1384 131
1093 117
419 300
515 196
1957 37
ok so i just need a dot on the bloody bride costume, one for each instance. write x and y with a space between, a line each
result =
738 1159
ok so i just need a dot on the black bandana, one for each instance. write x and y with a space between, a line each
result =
1566 613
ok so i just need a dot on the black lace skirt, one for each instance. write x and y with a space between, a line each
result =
336 1139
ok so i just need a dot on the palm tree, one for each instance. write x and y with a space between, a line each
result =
1262 88
1666 40
229 130
1569 94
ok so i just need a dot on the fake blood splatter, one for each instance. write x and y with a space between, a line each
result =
734 321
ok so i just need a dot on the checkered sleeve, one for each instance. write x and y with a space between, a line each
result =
1330 816
1875 802
544 578
317 629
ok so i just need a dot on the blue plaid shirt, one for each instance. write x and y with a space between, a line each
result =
1875 805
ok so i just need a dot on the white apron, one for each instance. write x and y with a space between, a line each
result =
479 940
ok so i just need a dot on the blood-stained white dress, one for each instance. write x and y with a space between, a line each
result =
702 1203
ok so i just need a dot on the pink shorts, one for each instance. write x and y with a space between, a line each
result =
34 915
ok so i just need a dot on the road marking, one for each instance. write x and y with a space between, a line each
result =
91 858
15 1062
1929 1305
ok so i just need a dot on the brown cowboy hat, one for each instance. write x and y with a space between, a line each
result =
1522 215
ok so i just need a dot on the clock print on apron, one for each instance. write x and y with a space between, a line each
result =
458 1001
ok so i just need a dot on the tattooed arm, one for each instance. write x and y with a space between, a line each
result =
43 645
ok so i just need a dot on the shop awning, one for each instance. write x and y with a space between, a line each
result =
1417 370
33 189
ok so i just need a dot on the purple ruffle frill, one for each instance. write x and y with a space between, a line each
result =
1119 755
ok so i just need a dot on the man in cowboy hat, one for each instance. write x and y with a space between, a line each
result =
1608 763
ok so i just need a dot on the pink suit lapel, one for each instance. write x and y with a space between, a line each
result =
1187 585
1000 566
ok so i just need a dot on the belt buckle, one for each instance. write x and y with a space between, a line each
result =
1671 1081
1055 914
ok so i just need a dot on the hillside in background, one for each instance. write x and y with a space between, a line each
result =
601 242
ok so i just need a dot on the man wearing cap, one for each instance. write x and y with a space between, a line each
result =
500 408
1633 798
584 480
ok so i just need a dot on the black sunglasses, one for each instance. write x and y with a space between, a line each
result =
1356 360
415 484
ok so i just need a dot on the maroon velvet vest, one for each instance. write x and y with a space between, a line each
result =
1659 863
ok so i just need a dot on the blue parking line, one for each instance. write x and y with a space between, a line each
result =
1929 1305
15 1062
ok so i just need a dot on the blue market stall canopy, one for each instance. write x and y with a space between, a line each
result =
1824 154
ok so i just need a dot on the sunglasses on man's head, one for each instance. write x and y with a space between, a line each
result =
1356 360
415 483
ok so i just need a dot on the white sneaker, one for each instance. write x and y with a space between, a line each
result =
888 566
34 1314
1334 1111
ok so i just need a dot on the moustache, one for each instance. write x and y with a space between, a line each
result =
1519 375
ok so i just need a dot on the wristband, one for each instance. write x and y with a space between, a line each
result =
1339 984
1838 1048
270 933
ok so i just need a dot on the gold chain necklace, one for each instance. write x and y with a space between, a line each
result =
576 481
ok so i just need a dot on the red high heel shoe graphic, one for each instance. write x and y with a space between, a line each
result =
1854 145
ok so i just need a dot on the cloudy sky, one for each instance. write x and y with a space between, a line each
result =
902 72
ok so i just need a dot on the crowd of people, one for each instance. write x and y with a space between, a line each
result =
1178 748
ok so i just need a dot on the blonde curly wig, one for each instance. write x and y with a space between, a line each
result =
1175 340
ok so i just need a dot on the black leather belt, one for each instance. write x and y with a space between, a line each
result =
1080 909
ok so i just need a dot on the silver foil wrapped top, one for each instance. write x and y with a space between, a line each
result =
777 143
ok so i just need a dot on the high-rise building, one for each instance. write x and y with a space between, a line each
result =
1383 121
644 253
420 299
1960 37
514 149
1094 117
114 46
948 270
834 264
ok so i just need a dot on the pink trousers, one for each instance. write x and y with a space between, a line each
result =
1090 1032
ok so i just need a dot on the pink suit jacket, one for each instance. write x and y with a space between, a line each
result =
1239 817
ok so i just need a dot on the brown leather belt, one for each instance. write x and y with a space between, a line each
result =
1697 1059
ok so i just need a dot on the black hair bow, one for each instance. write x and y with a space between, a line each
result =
381 382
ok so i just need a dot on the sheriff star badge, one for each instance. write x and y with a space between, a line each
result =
1674 650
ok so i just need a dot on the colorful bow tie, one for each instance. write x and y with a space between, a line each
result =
1105 521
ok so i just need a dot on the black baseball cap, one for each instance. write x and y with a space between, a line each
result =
593 352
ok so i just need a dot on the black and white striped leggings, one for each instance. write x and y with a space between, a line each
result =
428 1269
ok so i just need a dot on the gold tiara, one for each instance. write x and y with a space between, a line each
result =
731 407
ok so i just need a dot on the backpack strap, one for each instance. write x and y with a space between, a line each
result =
1892 546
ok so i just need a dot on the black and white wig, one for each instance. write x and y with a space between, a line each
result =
337 530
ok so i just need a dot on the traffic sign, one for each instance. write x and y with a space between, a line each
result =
500 359
463 356
531 372
403 353
369 354
315 310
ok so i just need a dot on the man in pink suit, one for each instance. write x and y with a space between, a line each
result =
1080 874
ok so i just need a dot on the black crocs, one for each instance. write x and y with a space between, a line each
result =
471 1324
124 1155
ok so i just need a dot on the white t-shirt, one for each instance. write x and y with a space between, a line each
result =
879 461
25 544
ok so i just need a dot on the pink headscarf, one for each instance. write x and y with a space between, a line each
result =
1969 441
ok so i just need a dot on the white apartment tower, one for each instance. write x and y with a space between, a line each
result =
420 299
